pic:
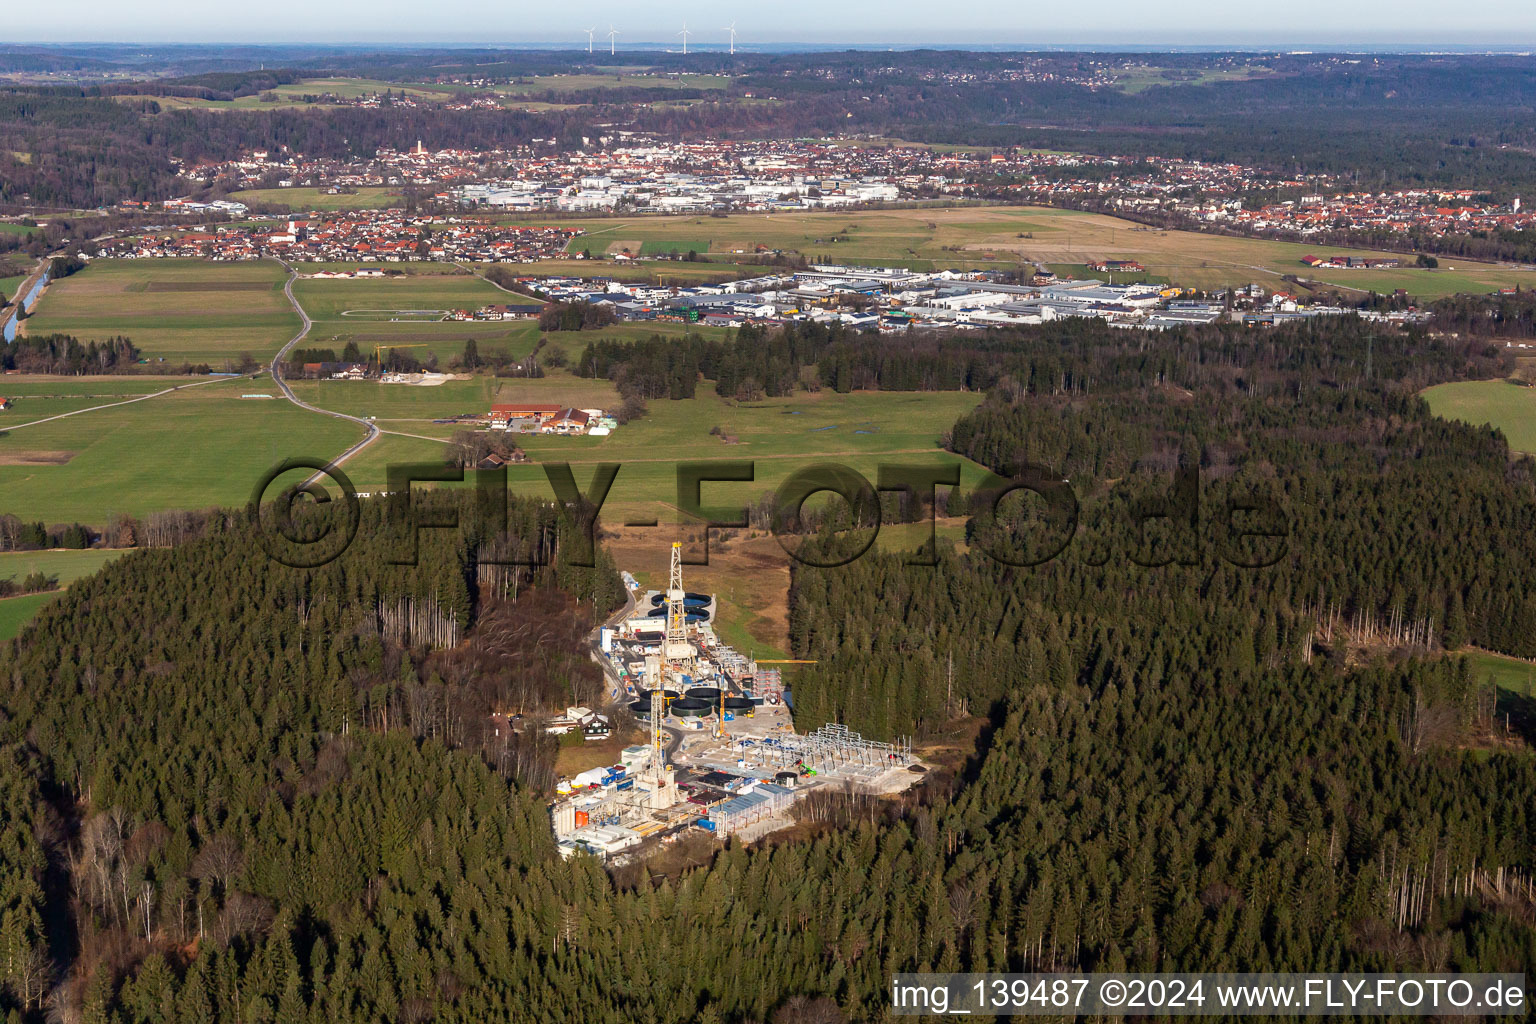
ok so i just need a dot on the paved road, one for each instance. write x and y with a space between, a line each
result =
616 694
277 377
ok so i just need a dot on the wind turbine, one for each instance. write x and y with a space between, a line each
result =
589 37
684 34
612 33
731 28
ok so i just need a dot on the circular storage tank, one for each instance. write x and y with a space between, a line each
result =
689 600
786 778
739 704
691 615
668 695
687 707
640 708
709 693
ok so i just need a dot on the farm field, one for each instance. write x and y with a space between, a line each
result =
978 237
352 88
421 268
296 199
47 385
369 312
200 447
66 566
619 80
329 299
426 337
1514 682
399 402
657 248
176 311
651 271
296 94
37 396
301 94
780 435
413 408
16 612
1497 403
1506 673
1139 79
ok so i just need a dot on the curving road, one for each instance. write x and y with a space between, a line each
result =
277 377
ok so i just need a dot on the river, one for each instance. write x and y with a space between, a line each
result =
24 305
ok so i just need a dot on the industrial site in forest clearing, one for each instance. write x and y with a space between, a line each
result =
722 756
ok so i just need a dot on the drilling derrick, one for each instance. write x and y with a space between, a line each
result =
677 656
654 679
676 647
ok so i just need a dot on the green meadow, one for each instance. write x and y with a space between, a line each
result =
329 299
196 448
36 397
65 566
1503 404
982 237
16 612
1510 674
175 310
374 312
860 430
299 199
618 80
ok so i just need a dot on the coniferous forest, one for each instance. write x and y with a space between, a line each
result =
1223 728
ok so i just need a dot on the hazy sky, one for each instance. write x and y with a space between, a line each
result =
1497 23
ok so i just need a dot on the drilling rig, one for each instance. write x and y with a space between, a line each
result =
676 658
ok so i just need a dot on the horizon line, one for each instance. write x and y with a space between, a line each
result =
1300 46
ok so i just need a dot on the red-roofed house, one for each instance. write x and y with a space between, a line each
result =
567 421
502 415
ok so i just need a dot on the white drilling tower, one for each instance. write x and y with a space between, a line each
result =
660 778
676 647
675 651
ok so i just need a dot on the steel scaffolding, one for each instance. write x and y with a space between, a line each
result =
836 751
